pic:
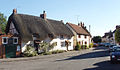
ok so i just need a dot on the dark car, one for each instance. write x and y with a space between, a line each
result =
115 55
107 44
111 47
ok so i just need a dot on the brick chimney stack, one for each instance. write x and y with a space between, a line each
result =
43 15
14 11
80 24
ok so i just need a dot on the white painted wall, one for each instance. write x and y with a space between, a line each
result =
83 39
24 45
58 40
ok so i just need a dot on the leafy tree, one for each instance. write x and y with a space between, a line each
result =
97 39
117 36
3 22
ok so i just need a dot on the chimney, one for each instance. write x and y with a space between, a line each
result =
62 21
14 11
80 24
118 26
83 24
43 15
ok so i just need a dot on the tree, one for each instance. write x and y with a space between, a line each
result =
3 22
96 39
117 36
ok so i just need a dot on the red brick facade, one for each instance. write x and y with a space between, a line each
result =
2 47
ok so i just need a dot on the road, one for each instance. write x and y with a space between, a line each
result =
90 59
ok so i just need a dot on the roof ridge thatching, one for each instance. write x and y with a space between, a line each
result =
26 25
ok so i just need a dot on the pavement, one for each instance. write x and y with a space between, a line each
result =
46 56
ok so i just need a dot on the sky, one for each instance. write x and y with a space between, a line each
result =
101 15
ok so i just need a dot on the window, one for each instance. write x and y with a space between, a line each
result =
79 42
18 48
85 36
69 44
50 35
79 36
4 40
85 43
69 37
61 36
62 44
15 40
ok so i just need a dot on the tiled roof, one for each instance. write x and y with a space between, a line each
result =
79 29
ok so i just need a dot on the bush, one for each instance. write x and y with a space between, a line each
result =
45 47
78 47
47 53
84 46
91 45
29 52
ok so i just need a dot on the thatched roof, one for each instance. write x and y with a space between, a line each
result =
27 25
79 29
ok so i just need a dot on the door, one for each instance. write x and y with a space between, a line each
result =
10 51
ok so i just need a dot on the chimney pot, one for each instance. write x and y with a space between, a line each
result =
61 20
43 15
14 11
43 12
80 24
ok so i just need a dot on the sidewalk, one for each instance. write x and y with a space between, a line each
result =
69 53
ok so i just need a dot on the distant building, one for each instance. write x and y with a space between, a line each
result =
117 27
108 37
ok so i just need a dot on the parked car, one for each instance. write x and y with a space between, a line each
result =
95 45
115 54
107 44
111 47
101 44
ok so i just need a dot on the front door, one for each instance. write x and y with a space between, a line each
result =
10 51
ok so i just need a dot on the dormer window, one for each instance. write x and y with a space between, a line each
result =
15 40
50 35
61 36
4 40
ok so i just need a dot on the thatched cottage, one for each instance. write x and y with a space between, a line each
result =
32 29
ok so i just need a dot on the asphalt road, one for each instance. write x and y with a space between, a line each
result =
90 59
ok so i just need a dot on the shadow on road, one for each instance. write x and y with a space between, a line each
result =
100 47
94 54
105 65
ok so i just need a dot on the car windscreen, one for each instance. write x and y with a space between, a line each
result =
116 49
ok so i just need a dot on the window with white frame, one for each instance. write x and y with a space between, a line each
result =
62 44
15 40
61 36
4 40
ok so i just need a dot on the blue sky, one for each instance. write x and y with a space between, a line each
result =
102 15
